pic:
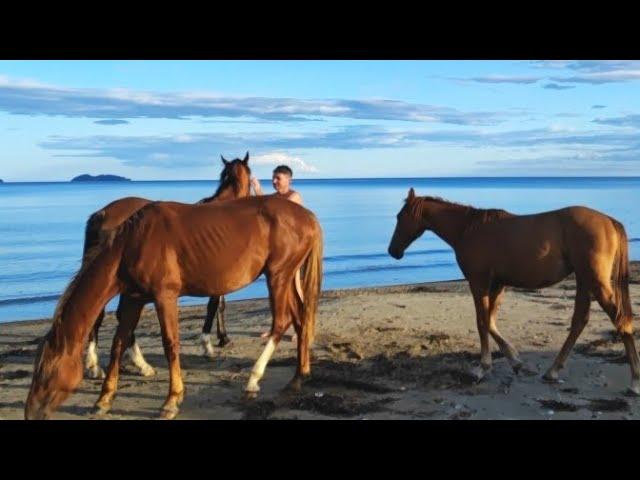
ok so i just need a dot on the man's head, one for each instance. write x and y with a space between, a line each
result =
281 178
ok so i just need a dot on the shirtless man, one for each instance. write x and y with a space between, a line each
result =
281 181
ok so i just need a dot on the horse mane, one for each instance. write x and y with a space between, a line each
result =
227 178
475 216
481 216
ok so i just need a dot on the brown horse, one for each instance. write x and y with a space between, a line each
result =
234 183
170 249
495 248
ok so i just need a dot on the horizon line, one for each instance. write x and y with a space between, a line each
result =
342 178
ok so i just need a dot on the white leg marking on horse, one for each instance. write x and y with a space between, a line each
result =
135 355
205 341
91 363
92 355
260 366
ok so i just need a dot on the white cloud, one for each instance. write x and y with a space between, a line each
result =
506 79
280 158
601 77
30 98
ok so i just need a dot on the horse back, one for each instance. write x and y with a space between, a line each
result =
118 211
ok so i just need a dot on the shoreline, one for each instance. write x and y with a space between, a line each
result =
335 293
438 285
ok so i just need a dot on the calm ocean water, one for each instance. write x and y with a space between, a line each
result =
42 227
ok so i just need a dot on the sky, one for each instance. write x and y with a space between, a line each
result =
172 120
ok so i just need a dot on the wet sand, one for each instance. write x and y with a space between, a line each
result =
380 353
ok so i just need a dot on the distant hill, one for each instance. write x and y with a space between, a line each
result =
100 178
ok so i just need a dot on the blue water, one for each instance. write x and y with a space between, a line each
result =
42 227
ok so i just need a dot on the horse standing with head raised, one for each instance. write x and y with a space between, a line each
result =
167 250
495 249
234 183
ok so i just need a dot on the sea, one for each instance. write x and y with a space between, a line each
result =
42 227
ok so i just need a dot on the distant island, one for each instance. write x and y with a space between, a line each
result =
100 178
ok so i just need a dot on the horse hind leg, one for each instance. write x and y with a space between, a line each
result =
578 322
280 295
91 361
605 297
167 308
303 371
128 314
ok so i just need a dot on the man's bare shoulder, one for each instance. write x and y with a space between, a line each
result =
295 197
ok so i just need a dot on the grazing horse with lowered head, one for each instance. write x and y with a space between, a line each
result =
167 250
495 249
234 183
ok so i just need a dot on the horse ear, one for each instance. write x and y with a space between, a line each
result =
412 194
223 160
246 158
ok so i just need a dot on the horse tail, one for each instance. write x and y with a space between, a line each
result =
624 316
92 231
311 287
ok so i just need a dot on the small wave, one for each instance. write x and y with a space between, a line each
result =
365 256
379 268
28 300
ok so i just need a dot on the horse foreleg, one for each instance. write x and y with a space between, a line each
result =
167 308
128 314
135 357
91 362
215 308
495 296
221 329
482 304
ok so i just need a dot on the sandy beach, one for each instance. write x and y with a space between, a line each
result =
380 353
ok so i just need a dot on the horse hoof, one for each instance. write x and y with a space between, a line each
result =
294 386
95 373
208 353
296 383
148 372
633 391
517 367
479 373
248 396
223 341
169 413
552 378
101 409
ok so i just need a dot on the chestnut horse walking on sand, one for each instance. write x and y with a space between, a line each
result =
234 183
169 249
495 248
